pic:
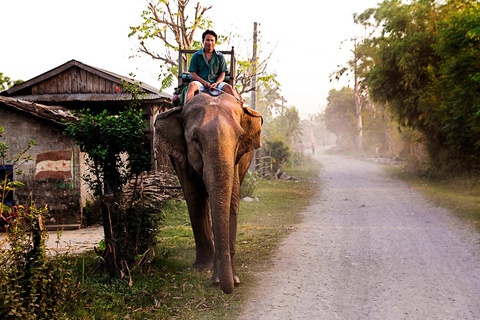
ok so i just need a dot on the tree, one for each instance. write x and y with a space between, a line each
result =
458 48
359 65
6 82
340 116
169 23
358 104
105 138
280 121
425 71
404 60
270 101
248 69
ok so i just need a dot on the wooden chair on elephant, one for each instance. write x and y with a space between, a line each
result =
184 77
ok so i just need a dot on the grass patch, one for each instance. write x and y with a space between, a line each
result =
460 195
169 288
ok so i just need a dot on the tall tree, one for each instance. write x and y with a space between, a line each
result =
458 46
426 72
175 25
340 117
106 139
358 103
170 24
404 64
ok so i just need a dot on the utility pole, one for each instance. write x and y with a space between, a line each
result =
358 105
254 68
254 86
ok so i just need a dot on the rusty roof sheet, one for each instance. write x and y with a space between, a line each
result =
90 97
56 114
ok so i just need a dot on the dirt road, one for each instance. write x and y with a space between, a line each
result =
371 248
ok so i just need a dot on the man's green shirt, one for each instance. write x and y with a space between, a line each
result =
209 72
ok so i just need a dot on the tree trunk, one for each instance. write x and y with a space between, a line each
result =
358 107
110 253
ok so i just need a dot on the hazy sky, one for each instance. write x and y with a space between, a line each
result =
40 35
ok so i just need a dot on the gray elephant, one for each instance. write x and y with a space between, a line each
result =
210 142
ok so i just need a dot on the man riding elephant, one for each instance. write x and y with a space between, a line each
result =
208 68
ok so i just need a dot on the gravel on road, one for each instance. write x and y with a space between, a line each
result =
370 247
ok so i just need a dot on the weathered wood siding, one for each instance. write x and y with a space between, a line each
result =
75 80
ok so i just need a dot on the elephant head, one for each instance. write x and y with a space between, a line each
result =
210 142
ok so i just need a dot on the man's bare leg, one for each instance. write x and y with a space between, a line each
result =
229 89
192 87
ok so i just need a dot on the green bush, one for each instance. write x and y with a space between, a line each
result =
298 159
139 223
278 150
106 138
32 285
249 185
91 213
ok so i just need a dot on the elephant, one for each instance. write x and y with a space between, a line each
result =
210 142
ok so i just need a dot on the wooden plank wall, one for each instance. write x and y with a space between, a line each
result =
75 80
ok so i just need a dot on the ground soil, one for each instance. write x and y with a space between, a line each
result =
73 241
371 247
76 241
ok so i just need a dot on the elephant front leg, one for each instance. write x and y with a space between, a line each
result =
233 222
202 231
234 206
199 211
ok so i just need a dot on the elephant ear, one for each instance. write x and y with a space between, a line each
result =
252 125
169 135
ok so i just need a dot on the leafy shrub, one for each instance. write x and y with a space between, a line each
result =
139 223
91 213
298 159
278 150
32 286
249 185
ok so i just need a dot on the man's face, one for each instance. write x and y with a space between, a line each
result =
209 43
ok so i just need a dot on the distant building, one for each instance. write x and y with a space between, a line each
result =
34 110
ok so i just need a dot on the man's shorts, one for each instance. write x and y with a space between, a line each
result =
214 92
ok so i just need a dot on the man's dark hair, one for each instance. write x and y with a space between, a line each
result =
209 32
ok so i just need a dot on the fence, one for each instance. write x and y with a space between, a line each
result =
264 166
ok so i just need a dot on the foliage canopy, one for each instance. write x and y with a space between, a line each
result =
424 66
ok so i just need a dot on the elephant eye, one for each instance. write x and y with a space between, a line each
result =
195 140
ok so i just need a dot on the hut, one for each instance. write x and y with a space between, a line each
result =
75 86
36 110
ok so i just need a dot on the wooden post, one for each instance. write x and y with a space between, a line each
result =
233 67
180 66
254 67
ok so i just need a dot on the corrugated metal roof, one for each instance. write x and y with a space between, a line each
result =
143 85
89 97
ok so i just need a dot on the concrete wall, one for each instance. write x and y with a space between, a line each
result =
53 177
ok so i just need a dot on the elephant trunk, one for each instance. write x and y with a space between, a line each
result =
219 182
